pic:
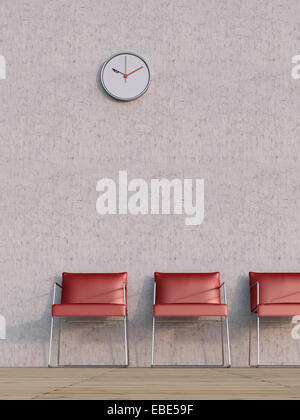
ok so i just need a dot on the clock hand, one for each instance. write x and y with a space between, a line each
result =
117 71
126 75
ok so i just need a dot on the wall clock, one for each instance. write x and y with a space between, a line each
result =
125 76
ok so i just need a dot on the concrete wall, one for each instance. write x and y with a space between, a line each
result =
222 106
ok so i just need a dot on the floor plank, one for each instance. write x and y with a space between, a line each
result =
146 383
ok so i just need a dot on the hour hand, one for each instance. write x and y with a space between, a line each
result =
117 71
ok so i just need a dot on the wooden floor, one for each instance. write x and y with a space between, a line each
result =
146 383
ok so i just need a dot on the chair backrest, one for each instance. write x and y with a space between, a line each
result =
275 288
187 288
93 288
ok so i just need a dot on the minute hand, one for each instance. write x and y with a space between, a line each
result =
134 71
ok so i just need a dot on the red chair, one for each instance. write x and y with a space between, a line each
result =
91 295
273 295
189 295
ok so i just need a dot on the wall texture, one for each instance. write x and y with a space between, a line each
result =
222 106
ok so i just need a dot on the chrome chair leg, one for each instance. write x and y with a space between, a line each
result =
258 352
219 366
228 341
125 340
50 342
58 346
258 340
222 339
250 340
153 331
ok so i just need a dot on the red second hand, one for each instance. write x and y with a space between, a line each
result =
126 75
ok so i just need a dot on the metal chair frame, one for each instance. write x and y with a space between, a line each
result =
125 320
258 336
199 366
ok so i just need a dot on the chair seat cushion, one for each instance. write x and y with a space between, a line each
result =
279 309
88 309
190 309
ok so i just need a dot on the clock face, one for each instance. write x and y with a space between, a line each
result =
125 76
